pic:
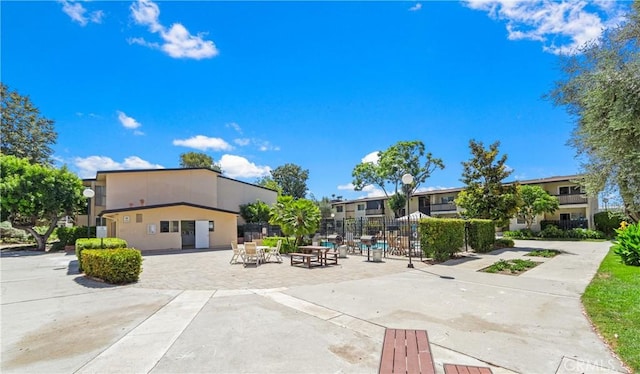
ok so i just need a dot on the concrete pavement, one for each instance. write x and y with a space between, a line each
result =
194 312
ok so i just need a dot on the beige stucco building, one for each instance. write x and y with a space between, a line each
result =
171 208
576 209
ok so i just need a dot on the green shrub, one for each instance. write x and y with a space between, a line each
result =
608 222
69 235
482 234
552 231
287 243
627 245
95 243
441 238
504 243
116 266
584 234
520 234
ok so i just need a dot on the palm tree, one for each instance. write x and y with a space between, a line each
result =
295 217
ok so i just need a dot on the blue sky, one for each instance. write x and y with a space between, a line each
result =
324 85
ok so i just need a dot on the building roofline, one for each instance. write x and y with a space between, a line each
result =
150 170
172 169
143 207
250 184
458 189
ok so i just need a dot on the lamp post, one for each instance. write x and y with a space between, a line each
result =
407 180
88 193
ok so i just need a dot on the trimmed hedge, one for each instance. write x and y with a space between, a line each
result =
441 238
482 234
116 266
95 243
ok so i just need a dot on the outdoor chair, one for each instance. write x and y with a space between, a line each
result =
236 253
250 254
275 252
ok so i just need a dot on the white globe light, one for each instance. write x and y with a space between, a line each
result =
88 193
407 179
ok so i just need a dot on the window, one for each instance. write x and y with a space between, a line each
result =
139 217
101 221
339 209
447 199
101 195
360 206
211 226
570 190
169 226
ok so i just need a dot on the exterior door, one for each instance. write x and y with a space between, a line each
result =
202 234
188 232
565 221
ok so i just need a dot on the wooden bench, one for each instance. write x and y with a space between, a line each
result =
331 257
305 259
406 351
465 369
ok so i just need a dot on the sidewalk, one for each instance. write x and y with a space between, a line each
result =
193 312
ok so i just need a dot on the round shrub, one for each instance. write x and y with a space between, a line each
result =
116 266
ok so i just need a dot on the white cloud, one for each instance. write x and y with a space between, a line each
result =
416 7
127 121
88 166
144 43
234 126
371 157
242 141
562 27
77 12
178 42
266 146
204 143
239 167
373 191
432 188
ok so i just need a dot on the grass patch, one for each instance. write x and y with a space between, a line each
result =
515 266
543 253
612 302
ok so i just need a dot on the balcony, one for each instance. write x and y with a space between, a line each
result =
450 207
571 199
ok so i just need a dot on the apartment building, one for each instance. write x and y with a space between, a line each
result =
170 208
576 209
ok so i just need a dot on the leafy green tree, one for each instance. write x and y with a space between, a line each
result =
297 217
268 182
535 201
292 179
198 160
25 133
485 196
397 202
399 159
255 212
35 195
601 89
324 205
